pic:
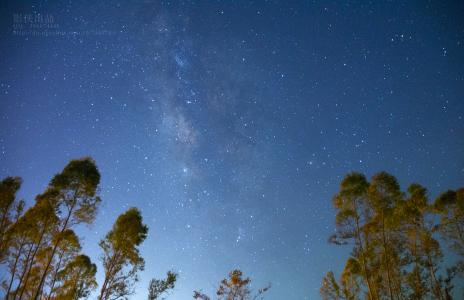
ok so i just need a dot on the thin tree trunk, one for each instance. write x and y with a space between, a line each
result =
387 260
363 262
55 275
416 264
104 287
29 265
107 277
23 273
434 279
13 272
42 234
55 247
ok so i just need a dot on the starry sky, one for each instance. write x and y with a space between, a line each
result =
229 123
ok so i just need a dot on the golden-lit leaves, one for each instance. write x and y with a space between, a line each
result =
121 257
395 253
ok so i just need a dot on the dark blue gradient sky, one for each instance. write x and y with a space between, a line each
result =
229 123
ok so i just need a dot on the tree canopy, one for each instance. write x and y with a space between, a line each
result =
396 241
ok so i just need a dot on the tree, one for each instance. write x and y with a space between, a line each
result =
395 253
20 238
8 189
200 295
450 208
74 194
349 287
36 227
330 290
384 197
77 279
121 257
351 280
234 288
68 249
422 248
353 213
40 243
159 286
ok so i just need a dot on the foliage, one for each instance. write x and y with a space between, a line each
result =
10 209
395 253
159 286
41 253
121 257
330 290
234 288
395 238
77 279
450 208
73 192
37 245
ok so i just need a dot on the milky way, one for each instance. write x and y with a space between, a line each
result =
231 124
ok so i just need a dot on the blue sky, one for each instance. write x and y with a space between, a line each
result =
231 124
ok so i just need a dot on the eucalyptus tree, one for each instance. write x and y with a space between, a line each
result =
40 221
450 208
121 256
423 249
10 209
395 254
157 287
21 240
330 289
234 288
385 198
351 280
68 249
76 280
349 287
74 193
353 215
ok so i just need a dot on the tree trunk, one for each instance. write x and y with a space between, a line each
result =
434 279
363 262
54 276
387 260
23 273
42 234
13 272
55 247
107 277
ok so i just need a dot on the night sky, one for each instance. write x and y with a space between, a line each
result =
230 124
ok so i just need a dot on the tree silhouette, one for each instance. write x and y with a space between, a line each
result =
69 247
395 253
330 290
77 279
159 286
384 196
9 212
423 250
121 258
234 288
450 208
74 193
353 215
38 224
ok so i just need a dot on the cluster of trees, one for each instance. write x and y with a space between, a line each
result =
397 241
396 237
41 252
42 255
